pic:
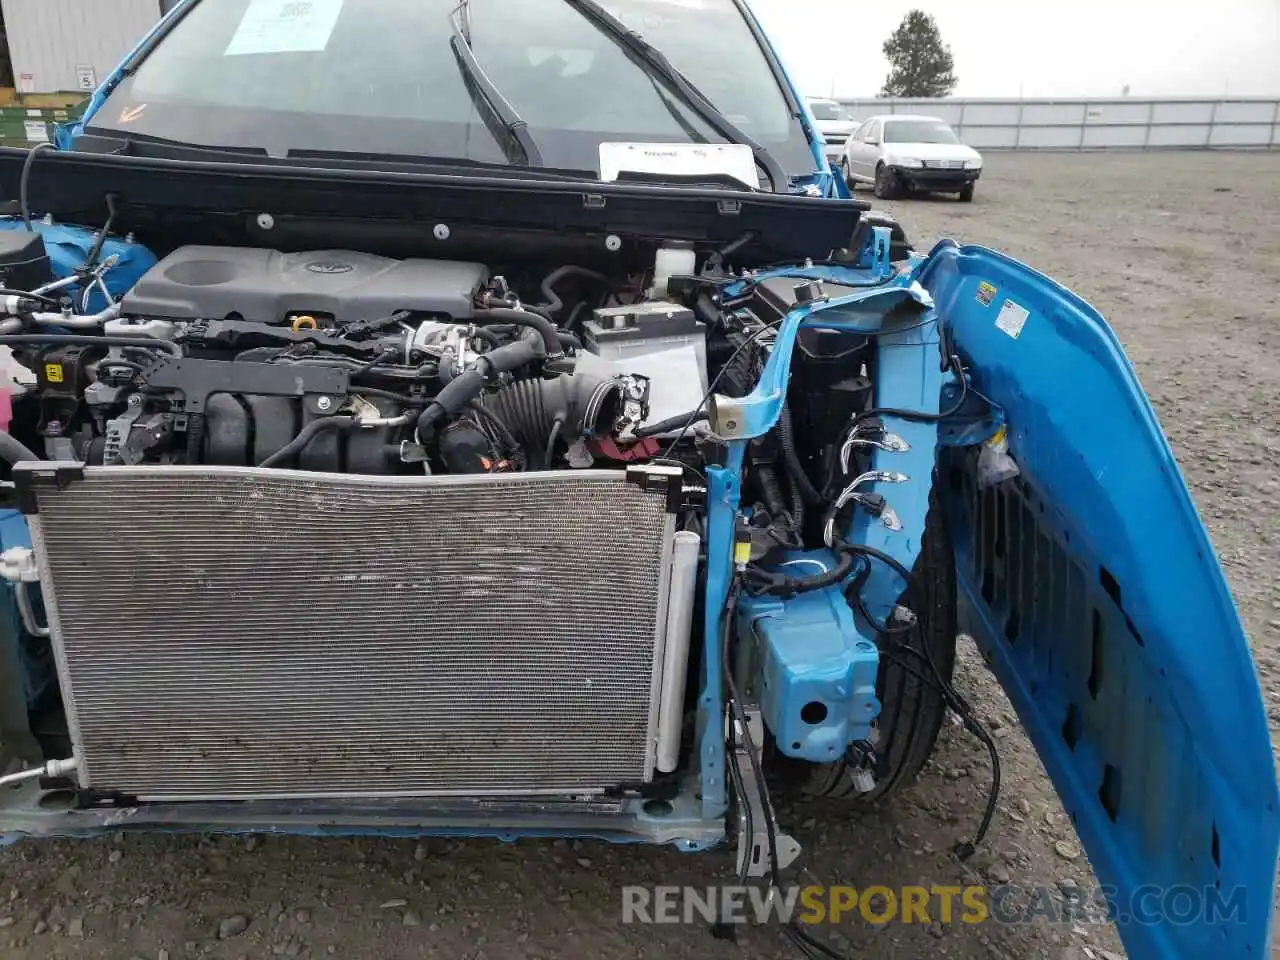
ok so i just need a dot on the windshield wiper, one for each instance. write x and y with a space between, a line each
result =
657 64
486 95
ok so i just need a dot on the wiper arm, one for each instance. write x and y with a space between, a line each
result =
487 96
656 62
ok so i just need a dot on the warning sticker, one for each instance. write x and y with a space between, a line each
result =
1012 318
285 26
986 293
53 372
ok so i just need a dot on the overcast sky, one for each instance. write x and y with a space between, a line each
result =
1041 47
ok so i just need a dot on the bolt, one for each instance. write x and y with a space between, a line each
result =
135 400
441 231
266 221
324 403
613 243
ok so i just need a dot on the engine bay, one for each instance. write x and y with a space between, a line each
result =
346 362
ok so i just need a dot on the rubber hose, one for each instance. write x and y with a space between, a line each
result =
553 303
459 392
795 469
305 436
522 318
531 407
13 450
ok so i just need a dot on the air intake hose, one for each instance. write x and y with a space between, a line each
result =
581 402
459 392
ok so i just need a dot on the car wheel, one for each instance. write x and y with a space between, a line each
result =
887 186
966 194
847 174
913 709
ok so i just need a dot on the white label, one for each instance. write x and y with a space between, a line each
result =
285 26
1012 318
36 131
86 78
679 159
27 83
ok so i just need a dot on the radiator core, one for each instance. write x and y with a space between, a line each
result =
237 633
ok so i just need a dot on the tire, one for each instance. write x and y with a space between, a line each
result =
887 186
847 174
911 710
966 194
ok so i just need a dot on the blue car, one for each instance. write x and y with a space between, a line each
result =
495 419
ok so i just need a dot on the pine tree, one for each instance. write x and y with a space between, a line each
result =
920 64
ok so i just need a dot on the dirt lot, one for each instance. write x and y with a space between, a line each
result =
1182 252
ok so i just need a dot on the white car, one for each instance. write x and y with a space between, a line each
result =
834 122
904 152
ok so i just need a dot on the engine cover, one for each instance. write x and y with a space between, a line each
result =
275 634
266 286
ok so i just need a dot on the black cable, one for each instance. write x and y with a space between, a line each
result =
26 179
953 697
551 442
662 426
305 436
505 436
793 930
572 321
381 358
693 417
50 301
404 398
791 458
920 416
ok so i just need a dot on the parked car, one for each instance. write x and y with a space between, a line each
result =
480 420
897 152
834 122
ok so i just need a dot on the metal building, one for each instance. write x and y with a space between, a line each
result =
68 45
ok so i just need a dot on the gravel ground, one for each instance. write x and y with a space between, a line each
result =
1166 245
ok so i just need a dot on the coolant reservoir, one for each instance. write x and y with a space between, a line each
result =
670 262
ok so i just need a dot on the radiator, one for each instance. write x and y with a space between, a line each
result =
238 633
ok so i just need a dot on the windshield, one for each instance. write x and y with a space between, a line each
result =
918 131
380 77
826 110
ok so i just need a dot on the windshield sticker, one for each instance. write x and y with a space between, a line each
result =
285 26
130 114
986 293
679 160
1012 318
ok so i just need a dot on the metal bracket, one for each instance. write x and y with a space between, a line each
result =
30 476
660 478
753 849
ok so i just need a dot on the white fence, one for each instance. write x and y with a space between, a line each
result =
1085 124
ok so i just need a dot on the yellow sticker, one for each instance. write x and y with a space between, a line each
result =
986 293
53 372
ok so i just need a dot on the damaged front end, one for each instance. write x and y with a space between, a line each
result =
482 530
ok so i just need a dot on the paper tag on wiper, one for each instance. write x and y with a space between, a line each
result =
679 160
